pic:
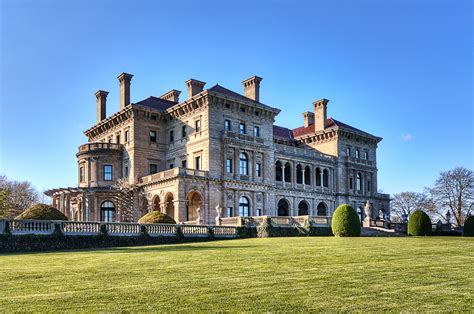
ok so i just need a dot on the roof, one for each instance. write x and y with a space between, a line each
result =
155 103
282 132
219 89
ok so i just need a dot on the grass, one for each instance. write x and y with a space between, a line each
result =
275 274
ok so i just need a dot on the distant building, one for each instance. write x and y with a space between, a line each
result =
219 148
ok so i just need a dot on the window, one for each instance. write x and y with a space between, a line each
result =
368 185
256 113
127 134
242 128
230 211
184 163
183 131
81 174
259 212
351 184
125 172
110 140
242 109
118 139
318 176
258 169
227 126
171 136
357 153
244 164
198 125
198 163
228 165
359 182
107 211
153 168
152 136
171 166
325 178
107 172
227 105
366 155
348 152
244 208
256 131
153 117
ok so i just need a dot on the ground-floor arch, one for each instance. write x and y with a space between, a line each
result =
156 203
193 205
322 209
283 207
303 208
169 205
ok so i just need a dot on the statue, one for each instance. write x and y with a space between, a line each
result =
368 210
219 213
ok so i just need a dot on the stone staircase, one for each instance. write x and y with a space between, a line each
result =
379 232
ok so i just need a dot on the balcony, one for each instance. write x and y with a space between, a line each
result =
99 147
359 161
242 137
171 173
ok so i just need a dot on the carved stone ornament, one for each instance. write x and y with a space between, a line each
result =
368 210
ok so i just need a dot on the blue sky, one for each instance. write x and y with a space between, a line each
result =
401 70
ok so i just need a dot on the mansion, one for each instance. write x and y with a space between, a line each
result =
218 151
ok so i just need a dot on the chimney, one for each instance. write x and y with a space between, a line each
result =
101 104
194 87
172 95
124 80
252 88
320 114
308 118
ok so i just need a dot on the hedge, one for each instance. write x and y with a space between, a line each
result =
345 222
468 229
156 217
42 212
419 224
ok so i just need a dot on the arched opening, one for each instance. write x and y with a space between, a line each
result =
318 176
194 202
307 175
299 174
244 164
278 171
169 205
107 211
322 209
303 208
325 178
360 213
287 172
283 207
144 206
156 203
359 181
244 206
381 214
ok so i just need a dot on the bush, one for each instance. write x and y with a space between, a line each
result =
345 222
156 217
419 224
468 229
42 212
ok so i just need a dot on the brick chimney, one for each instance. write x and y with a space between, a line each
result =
308 118
101 104
124 80
194 87
252 87
172 95
320 114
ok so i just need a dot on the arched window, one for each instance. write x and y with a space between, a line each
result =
107 211
325 178
244 207
278 171
299 174
307 175
244 164
302 208
322 209
318 176
287 172
283 207
359 182
357 153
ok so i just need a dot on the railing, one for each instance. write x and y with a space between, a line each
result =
231 221
31 227
194 231
244 137
301 152
163 230
360 161
320 220
123 229
80 228
174 172
278 221
96 146
224 232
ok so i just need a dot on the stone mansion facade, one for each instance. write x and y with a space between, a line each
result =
219 149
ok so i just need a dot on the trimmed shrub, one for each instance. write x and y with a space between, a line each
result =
42 212
468 229
419 224
345 222
156 217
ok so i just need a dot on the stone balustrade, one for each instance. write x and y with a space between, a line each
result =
18 227
231 221
224 231
99 146
174 172
161 230
80 228
123 229
195 231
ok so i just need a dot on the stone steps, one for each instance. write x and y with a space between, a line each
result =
379 232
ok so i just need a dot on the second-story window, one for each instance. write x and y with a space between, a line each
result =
351 184
125 172
81 174
152 136
171 136
242 128
256 131
197 125
258 169
184 163
359 182
127 135
171 166
366 155
368 185
357 153
183 131
348 152
108 172
118 139
197 163
228 165
244 164
153 168
227 126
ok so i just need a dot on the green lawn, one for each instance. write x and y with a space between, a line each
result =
276 274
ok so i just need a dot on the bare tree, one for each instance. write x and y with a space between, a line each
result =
128 199
405 203
453 192
21 195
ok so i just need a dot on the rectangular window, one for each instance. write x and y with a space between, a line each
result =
198 125
107 172
259 212
230 211
256 131
110 140
228 165
242 109
153 168
348 152
126 172
368 185
366 155
258 169
227 126
81 174
171 136
152 136
351 184
183 131
171 166
197 163
118 139
183 163
242 128
127 133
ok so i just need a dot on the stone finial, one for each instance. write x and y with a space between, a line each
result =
320 114
252 87
124 79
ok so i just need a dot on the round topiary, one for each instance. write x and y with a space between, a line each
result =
345 222
42 212
419 224
468 229
156 217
